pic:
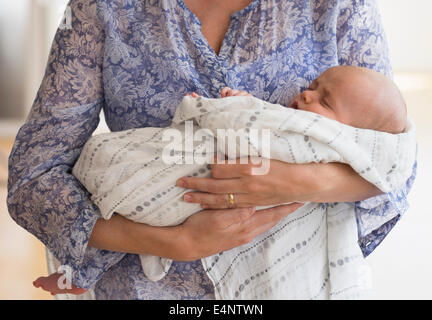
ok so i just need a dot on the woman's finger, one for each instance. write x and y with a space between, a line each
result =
212 185
262 220
219 201
227 217
243 167
280 211
270 216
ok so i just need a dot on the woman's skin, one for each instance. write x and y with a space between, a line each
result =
211 231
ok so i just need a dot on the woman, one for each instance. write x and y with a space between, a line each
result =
136 60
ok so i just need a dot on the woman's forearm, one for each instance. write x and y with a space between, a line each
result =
334 182
123 235
205 233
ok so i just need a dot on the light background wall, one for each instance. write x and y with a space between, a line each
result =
13 17
408 25
401 265
27 28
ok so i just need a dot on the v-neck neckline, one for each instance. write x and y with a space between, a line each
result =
233 17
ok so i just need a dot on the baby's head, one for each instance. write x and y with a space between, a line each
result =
358 97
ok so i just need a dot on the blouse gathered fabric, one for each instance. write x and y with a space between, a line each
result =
135 60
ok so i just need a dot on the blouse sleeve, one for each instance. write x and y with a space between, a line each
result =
43 196
362 42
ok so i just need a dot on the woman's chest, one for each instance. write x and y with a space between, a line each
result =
154 56
215 17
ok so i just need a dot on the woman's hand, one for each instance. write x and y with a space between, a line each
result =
212 231
50 283
284 182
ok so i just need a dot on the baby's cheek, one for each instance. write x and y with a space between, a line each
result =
321 110
338 117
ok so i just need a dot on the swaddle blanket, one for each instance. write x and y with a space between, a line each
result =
310 254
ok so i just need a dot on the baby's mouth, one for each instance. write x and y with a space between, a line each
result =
294 104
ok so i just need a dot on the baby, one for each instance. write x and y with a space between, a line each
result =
355 96
358 97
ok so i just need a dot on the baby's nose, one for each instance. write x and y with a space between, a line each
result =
307 96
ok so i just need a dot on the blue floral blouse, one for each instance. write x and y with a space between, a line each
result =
135 60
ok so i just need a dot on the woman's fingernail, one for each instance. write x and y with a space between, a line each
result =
181 183
187 197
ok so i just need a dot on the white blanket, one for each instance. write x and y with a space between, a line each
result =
311 254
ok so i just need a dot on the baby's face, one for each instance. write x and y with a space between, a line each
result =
329 94
358 97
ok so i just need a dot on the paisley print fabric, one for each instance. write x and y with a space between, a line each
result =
135 60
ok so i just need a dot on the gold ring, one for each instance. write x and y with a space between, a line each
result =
231 199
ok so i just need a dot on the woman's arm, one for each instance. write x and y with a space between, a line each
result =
334 182
43 196
284 182
203 234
